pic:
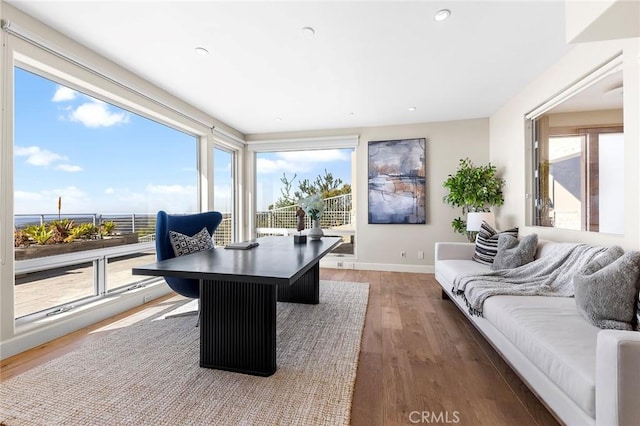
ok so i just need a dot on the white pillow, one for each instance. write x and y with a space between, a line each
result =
184 244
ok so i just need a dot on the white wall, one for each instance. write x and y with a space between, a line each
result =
592 20
509 149
378 247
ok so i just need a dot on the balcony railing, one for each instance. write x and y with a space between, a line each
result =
91 274
337 214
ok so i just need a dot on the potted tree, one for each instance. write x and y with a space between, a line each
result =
475 189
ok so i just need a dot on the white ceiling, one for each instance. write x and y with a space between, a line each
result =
604 94
366 65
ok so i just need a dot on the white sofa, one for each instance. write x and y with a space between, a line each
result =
583 374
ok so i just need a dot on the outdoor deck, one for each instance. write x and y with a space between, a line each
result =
38 291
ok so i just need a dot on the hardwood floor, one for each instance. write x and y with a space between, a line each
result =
421 356
421 361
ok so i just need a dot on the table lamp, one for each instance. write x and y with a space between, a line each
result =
474 222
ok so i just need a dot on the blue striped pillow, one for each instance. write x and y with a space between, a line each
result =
487 243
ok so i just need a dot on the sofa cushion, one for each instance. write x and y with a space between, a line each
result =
605 291
447 270
554 336
487 243
513 253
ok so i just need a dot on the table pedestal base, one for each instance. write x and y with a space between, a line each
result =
238 321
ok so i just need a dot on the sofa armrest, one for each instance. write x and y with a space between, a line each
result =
618 377
454 251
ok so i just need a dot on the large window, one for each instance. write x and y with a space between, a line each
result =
223 194
283 178
578 155
89 178
582 180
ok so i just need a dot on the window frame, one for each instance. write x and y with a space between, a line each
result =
534 209
65 71
590 164
234 177
294 144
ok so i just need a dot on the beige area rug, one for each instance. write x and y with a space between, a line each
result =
148 374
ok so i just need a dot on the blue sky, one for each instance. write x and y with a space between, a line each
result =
102 159
303 164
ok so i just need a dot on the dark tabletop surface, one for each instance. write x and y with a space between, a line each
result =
277 260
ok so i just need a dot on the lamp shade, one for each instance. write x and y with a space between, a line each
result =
474 220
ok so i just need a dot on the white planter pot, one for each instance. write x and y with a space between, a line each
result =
315 233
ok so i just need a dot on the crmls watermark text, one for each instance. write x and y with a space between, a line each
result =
434 417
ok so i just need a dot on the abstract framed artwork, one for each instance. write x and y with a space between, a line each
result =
397 181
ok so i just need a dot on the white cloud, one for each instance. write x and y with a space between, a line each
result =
37 156
225 168
171 189
69 192
300 161
172 198
24 195
222 198
323 156
69 168
265 165
98 114
64 94
74 200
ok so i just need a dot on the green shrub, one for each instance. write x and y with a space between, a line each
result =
41 234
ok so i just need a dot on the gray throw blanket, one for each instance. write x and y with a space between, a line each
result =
551 275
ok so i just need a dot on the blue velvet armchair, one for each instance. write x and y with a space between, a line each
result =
185 224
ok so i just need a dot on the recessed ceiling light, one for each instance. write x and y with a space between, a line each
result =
308 31
412 108
442 14
202 51
278 119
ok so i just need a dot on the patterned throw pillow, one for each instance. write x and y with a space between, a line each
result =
184 244
487 243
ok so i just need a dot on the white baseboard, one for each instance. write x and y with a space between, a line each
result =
390 267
